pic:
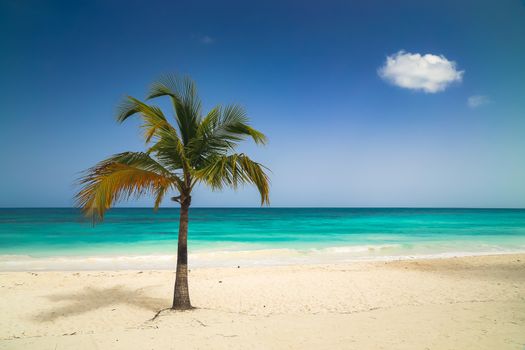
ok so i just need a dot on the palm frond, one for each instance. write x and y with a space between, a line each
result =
234 170
220 131
179 156
170 151
139 160
186 102
118 178
153 120
235 122
159 193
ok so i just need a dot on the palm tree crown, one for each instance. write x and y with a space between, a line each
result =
199 149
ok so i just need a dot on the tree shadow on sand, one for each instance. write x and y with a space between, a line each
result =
90 298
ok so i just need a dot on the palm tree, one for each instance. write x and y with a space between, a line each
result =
199 149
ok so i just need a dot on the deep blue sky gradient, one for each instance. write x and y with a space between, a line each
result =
307 74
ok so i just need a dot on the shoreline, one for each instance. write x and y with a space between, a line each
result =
216 259
475 302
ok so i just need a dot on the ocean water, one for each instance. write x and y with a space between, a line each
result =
47 239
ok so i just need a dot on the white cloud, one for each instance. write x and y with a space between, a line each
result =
477 100
429 73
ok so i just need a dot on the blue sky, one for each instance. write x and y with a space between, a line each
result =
443 125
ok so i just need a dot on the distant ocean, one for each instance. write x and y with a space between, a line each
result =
48 239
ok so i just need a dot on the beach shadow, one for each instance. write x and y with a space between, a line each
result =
90 298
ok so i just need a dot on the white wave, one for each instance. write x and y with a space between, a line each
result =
359 248
246 257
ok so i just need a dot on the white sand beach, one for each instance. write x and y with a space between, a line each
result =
455 303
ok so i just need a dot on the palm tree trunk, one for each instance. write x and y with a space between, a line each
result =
181 296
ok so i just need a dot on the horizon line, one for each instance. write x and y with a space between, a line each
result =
284 207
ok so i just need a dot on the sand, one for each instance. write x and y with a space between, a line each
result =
456 303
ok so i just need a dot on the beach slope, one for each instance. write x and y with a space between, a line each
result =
455 303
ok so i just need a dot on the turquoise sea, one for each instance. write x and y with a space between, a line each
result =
34 239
